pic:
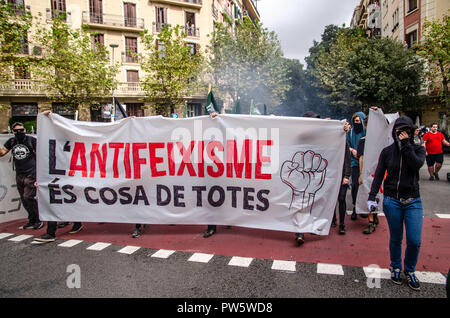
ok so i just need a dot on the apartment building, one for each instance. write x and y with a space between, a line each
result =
118 24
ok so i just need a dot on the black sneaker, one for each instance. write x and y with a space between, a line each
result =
436 176
38 225
431 178
370 228
300 239
63 224
76 228
27 226
396 276
136 233
209 233
45 238
342 229
354 215
412 280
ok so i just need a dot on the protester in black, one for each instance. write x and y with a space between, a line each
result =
346 173
23 150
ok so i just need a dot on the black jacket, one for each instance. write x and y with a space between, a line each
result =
402 160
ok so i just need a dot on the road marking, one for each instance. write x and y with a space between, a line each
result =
70 243
200 258
163 253
443 216
240 261
3 235
331 269
374 272
129 249
98 246
20 238
284 266
430 277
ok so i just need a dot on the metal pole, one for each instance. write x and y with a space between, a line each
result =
113 46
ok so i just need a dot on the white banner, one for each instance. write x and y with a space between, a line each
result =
378 136
279 173
10 204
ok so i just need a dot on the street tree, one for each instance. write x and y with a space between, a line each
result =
248 64
172 67
436 50
74 70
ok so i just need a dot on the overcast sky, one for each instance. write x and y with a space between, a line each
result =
299 22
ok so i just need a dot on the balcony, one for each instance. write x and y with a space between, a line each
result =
129 57
195 4
114 22
157 27
192 31
129 89
215 12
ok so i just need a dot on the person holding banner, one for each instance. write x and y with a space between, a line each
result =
402 204
353 136
23 149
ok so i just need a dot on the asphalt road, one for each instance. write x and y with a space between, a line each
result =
29 270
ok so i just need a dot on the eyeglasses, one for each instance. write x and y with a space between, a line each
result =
19 130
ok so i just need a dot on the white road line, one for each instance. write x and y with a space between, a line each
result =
240 261
284 265
70 243
374 272
129 249
331 269
430 277
200 258
20 238
98 246
163 253
3 235
443 216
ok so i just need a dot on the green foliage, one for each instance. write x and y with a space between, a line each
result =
172 70
72 71
15 23
351 72
248 64
436 51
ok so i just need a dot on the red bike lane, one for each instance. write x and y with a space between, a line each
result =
352 249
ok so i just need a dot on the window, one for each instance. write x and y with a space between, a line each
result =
18 6
97 42
161 48
63 110
412 5
132 76
161 18
130 50
21 72
190 24
193 48
135 109
96 11
58 8
193 109
411 39
24 109
130 14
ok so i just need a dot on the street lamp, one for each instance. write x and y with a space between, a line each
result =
113 46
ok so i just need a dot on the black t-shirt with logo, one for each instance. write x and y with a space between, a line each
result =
24 154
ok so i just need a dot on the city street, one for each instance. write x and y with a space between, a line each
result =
177 262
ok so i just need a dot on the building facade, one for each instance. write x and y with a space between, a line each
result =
118 24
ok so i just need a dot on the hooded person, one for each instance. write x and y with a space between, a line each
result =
402 204
23 150
357 132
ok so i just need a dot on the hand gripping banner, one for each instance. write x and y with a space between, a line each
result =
277 173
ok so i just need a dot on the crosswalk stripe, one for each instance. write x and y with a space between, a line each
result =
70 243
200 257
331 269
430 277
374 272
20 238
128 249
443 216
163 253
284 265
240 261
98 246
3 235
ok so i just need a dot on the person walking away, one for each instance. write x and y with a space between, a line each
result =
23 150
434 154
353 136
402 204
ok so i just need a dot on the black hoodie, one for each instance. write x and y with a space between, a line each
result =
402 160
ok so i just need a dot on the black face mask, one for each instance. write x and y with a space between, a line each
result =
20 136
357 127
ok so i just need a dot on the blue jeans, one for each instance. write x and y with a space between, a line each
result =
411 215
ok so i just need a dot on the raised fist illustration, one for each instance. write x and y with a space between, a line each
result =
305 173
